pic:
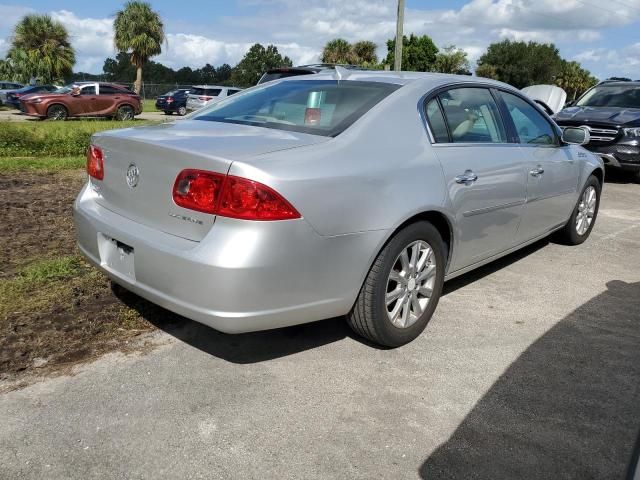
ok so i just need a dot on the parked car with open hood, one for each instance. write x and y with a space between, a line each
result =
202 95
84 99
14 97
611 113
352 193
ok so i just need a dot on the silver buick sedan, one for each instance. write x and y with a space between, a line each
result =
352 193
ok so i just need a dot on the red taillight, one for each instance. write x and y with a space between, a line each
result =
230 196
95 162
169 99
205 98
198 190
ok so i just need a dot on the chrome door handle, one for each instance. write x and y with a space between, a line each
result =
468 177
536 172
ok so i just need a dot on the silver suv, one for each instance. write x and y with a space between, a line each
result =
202 95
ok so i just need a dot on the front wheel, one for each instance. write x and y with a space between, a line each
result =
57 112
125 112
584 215
402 288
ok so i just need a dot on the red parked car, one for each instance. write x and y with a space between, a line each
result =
84 100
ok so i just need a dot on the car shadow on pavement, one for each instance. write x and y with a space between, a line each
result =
266 345
474 275
241 348
568 407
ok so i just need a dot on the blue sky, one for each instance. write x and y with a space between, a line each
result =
604 36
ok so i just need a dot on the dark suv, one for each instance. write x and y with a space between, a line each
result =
611 112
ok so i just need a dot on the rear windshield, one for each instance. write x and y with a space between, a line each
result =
319 107
209 92
626 96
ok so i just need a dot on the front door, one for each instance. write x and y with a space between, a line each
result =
552 172
484 173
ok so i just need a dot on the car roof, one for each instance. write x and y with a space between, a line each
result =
210 86
629 83
397 78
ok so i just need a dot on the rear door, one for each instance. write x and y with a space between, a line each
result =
484 173
552 172
107 99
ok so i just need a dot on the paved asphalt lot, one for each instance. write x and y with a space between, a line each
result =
530 368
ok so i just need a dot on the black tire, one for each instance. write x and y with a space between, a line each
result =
125 112
57 112
569 234
368 316
182 111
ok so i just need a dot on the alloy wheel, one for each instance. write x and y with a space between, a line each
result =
586 210
410 284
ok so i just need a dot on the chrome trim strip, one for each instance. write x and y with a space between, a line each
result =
552 195
480 211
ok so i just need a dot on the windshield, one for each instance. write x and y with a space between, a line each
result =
319 107
625 96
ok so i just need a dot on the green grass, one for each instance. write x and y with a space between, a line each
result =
51 164
54 139
149 105
51 269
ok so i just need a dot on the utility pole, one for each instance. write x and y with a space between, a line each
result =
397 64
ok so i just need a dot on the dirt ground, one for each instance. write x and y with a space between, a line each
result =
55 310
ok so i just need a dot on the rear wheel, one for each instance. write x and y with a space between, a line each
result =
402 288
182 111
57 112
125 112
584 215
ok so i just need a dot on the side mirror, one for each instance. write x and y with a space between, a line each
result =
576 135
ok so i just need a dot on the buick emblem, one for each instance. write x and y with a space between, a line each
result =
133 175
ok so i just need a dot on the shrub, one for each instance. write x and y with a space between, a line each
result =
52 139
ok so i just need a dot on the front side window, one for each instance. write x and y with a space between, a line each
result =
531 127
472 116
319 107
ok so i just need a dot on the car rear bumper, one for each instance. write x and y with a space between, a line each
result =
243 276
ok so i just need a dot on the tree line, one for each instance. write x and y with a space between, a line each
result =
40 49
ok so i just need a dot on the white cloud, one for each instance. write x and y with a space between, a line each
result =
300 31
624 61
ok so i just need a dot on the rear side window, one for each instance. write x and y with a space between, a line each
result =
320 107
206 92
531 126
90 90
109 90
436 122
472 116
231 91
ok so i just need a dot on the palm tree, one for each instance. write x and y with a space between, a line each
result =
40 49
139 31
337 51
364 53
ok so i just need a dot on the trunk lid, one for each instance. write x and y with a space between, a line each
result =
141 165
